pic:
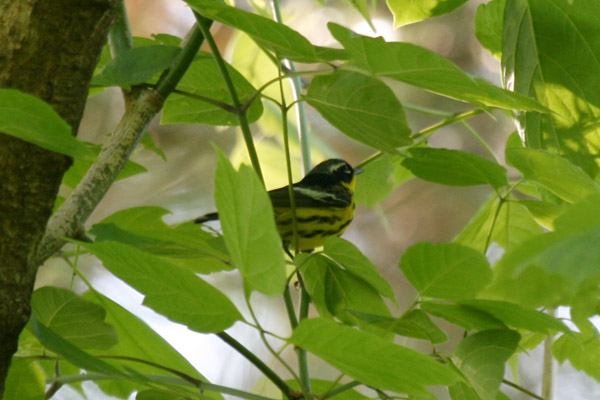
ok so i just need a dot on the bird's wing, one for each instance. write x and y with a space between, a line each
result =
309 197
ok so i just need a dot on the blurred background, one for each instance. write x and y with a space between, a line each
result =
415 211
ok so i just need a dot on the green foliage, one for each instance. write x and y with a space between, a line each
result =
362 107
550 53
124 70
446 270
32 120
408 11
76 320
370 359
455 168
249 228
532 245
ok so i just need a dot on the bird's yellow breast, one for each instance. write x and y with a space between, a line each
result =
314 225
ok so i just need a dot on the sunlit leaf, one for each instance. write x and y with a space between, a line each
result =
279 38
25 381
508 226
409 11
553 172
550 52
489 21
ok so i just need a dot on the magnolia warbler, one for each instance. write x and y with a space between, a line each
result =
324 203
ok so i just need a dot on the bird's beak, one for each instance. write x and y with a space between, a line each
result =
358 171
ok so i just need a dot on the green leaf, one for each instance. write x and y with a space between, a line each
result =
461 315
519 317
582 351
169 290
280 39
554 173
454 168
549 269
425 69
30 119
336 292
410 11
550 52
186 245
415 324
379 178
489 21
362 107
350 257
509 227
445 270
544 212
481 358
69 351
76 320
370 359
138 340
203 78
148 142
25 381
136 66
248 225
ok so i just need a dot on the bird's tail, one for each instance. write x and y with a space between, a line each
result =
207 217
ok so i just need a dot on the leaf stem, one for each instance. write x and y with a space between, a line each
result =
478 137
66 379
522 389
204 25
447 121
287 391
261 332
340 389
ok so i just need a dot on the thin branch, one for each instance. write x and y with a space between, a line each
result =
340 389
522 389
204 25
287 391
447 121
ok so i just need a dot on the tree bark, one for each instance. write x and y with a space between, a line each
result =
49 49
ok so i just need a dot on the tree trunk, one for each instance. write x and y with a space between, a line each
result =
49 49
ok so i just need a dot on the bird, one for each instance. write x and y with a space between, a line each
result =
324 204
